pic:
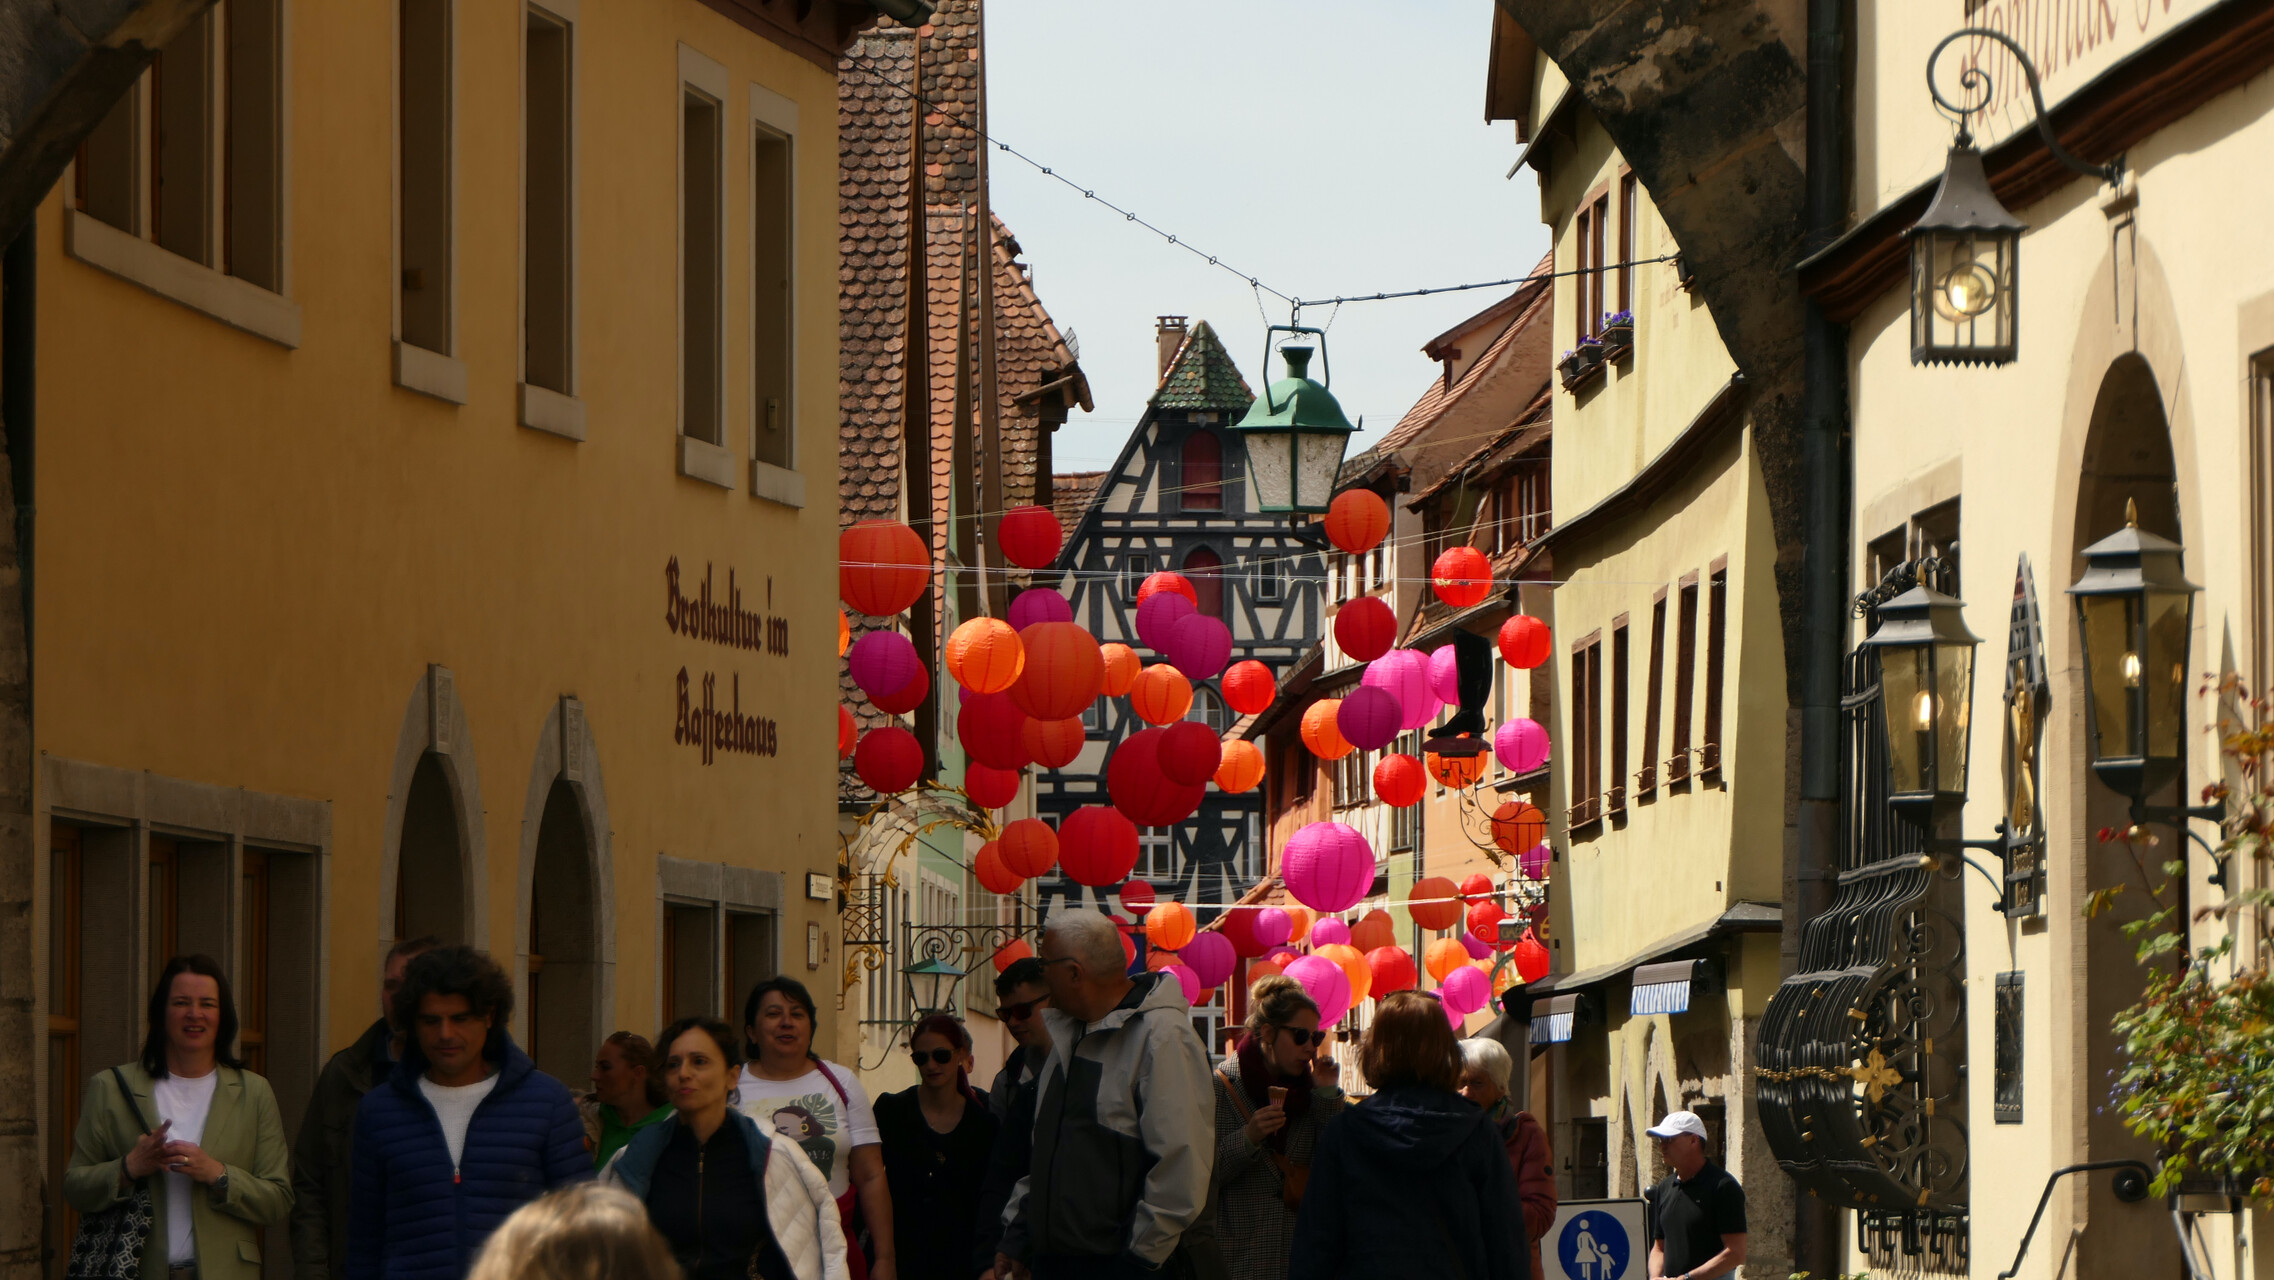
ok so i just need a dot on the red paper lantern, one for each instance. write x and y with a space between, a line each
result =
1137 897
1063 668
984 655
1356 520
1030 847
1165 581
847 733
1320 732
1054 744
1029 536
1476 885
1011 953
907 697
991 727
1392 969
1169 926
1190 752
1455 771
993 876
1121 667
1524 641
1237 924
1240 769
1399 782
882 567
1372 930
1517 827
1531 958
1432 904
1140 790
888 760
1096 847
1161 695
1249 687
990 788
1461 576
1365 628
1484 920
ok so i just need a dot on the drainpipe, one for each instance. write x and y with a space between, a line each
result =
19 320
1824 538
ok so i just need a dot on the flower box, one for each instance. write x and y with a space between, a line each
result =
1618 335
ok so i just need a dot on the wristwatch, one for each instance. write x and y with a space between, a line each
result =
219 1190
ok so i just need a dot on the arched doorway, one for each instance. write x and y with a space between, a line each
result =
430 866
431 880
563 941
1206 570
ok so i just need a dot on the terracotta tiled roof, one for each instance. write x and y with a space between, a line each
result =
1070 496
874 125
1202 376
1439 397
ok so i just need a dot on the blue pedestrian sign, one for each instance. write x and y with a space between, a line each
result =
1595 1240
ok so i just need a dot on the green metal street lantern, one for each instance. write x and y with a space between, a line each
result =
1926 680
1295 433
931 985
2135 609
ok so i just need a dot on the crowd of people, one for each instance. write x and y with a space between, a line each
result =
1107 1146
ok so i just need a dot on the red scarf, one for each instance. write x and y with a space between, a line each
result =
1257 1075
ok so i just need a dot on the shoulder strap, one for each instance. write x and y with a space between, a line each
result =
126 1096
1238 1096
831 1077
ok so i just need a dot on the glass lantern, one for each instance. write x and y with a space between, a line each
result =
931 986
1295 435
2135 615
1965 259
1926 681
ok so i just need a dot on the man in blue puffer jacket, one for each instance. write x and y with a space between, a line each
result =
462 1134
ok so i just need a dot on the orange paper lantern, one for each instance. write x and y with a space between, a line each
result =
882 566
985 656
1063 667
1356 520
1443 956
1321 734
993 876
1432 903
1268 967
1241 769
1352 961
1249 687
1161 695
1517 827
1169 925
1030 847
1054 743
1121 667
1011 953
1398 781
844 633
1455 771
1373 930
1299 921
1461 577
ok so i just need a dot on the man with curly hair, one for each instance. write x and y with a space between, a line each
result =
463 1133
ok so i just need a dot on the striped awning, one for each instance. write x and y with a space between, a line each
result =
1667 987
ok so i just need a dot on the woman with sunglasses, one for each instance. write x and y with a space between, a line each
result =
1272 1099
937 1137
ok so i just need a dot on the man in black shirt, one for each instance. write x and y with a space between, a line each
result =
1696 1218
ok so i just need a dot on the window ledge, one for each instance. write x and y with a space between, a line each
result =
551 412
234 302
429 373
777 484
707 462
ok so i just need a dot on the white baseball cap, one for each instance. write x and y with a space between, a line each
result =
1679 1122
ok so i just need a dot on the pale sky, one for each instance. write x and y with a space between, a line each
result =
1330 147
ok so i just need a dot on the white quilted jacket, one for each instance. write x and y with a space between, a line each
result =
800 1210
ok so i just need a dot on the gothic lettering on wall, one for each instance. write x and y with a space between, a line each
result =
2066 39
718 617
711 729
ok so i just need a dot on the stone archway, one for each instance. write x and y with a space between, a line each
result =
432 870
565 919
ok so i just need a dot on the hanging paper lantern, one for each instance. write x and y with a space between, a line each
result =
1503 977
1443 956
1199 645
1327 933
907 697
1476 947
1249 687
1267 967
1211 958
1476 886
882 566
994 877
1325 983
1461 576
1524 641
1121 667
1517 826
1155 584
1298 922
1137 897
1368 718
1484 920
1029 536
1030 847
990 788
1445 675
1391 970
1186 980
1531 958
1365 628
1356 520
1140 789
1534 861
1038 604
1319 732
1521 744
1455 771
883 661
1399 782
984 655
1157 959
847 733
1240 769
1190 752
1354 967
1374 929
1011 953
1169 925
1161 695
1404 673
1272 927
888 760
992 729
1053 744
1063 668
1158 615
844 632
1432 903
1128 946
1237 924
1465 989
1328 866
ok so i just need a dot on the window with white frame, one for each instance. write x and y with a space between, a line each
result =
1134 570
1270 580
1156 853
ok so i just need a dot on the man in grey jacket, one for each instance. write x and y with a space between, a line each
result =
1124 1128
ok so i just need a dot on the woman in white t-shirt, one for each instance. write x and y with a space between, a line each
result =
822 1108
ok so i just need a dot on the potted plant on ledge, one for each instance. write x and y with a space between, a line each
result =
1618 335
1582 363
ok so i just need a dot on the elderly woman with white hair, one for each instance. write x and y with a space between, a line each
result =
1485 1070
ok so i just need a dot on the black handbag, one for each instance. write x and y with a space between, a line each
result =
110 1241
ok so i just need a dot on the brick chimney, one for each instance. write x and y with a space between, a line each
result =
1168 335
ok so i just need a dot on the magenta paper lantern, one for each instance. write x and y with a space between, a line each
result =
1157 615
1445 676
1325 983
1039 604
1465 989
1327 933
1535 861
1186 979
1211 957
883 662
1405 674
1477 947
1369 717
1452 1015
1272 926
1521 744
1199 645
1328 866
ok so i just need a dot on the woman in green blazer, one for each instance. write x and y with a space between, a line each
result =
214 1151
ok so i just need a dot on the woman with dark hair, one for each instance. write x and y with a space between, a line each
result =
627 1094
1412 1182
937 1137
189 1112
731 1199
787 1088
1272 1100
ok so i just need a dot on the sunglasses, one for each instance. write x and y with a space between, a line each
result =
1023 1010
1302 1037
937 1057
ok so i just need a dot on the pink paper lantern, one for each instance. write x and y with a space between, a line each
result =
1272 926
1521 744
1211 957
1369 717
1445 675
1325 983
1327 933
1477 947
1452 1015
1534 861
1039 604
1188 980
882 663
1405 674
1328 866
1157 615
1199 645
1465 989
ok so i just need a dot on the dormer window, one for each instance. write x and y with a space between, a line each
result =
1202 467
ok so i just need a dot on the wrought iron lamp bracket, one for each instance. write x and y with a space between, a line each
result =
1976 87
